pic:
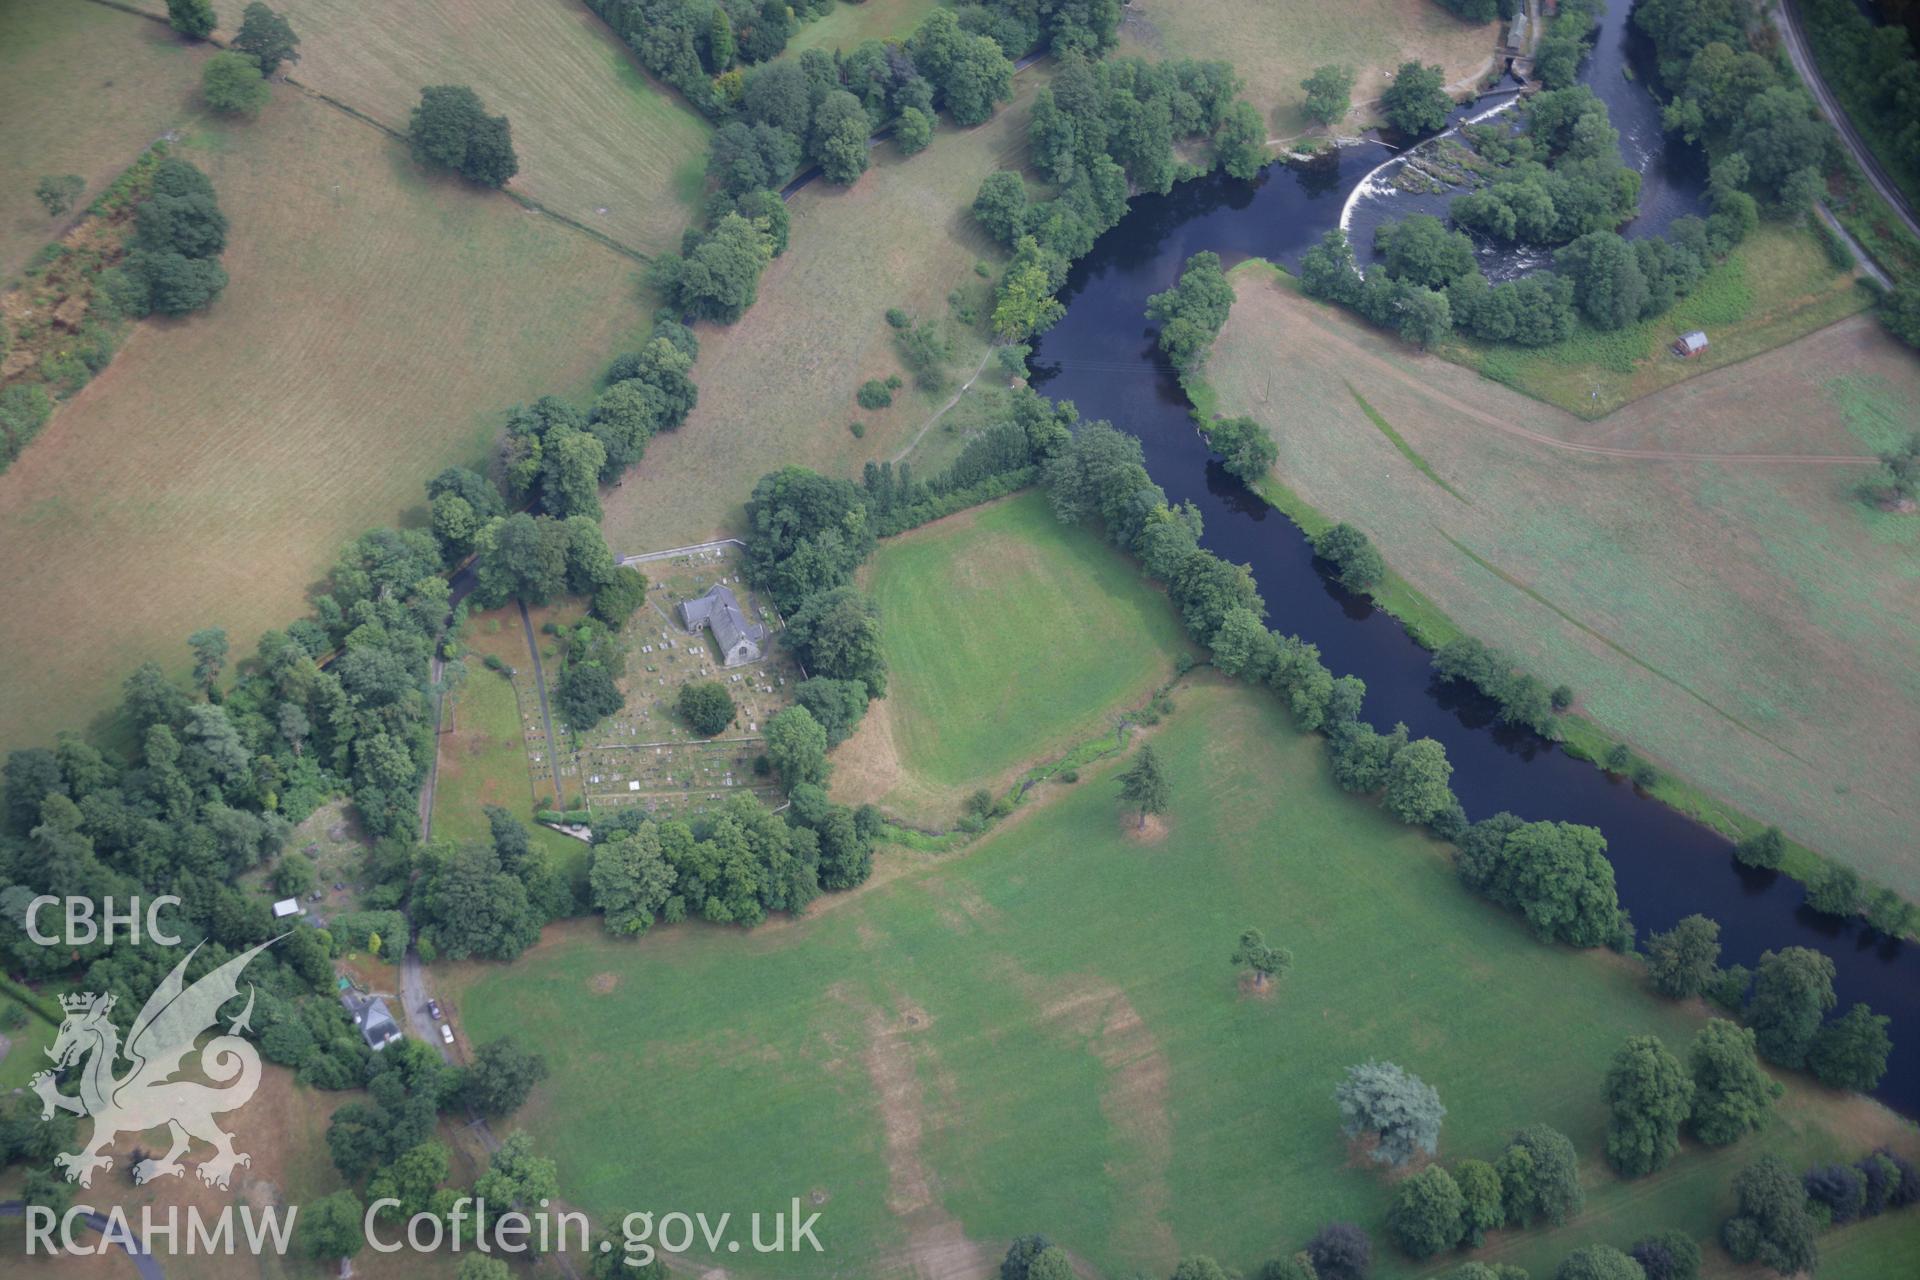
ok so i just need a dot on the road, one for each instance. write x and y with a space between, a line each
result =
1802 56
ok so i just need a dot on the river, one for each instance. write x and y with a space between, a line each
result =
1102 356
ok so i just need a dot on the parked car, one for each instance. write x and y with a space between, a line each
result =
446 1033
433 1009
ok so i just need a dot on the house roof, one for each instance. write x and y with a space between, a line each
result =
1694 341
372 1017
720 610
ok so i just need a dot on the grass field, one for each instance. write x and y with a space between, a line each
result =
850 23
997 1042
597 140
778 386
83 90
1274 46
377 327
1008 636
1776 287
1748 624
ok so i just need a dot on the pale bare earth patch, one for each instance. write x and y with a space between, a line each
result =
602 984
1152 831
937 1246
1694 564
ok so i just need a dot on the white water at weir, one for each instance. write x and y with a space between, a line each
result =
1372 186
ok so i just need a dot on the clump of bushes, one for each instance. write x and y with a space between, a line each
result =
1359 565
877 393
451 129
1522 698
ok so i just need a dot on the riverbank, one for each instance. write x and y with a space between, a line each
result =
1519 523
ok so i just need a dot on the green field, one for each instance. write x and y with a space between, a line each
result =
1009 636
1747 623
778 386
378 326
853 21
1044 1033
1777 286
82 90
1274 46
598 141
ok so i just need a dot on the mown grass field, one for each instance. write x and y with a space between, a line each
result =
1044 1033
82 90
1274 46
1748 624
849 23
1008 636
1776 287
778 386
377 328
597 139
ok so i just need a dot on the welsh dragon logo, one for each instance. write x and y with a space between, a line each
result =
148 1096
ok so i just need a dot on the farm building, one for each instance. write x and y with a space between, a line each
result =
741 641
287 907
1689 345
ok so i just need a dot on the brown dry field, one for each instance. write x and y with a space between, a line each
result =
377 328
82 90
1274 46
1746 622
591 130
777 387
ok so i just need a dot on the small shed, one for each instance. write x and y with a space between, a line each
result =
1689 345
288 907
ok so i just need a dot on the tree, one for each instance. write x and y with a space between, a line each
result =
1608 284
1240 143
411 1179
1024 304
452 130
1340 1251
265 37
1851 1051
1416 102
1649 1097
1792 991
1417 783
1018 1263
837 635
1425 1216
1051 1263
1667 1255
1000 206
1766 850
1485 1201
479 1267
1144 786
706 706
193 19
1391 1110
1360 566
797 745
233 86
1835 891
1329 93
1191 313
838 142
516 1176
1730 1093
57 193
1771 1224
1197 1267
630 880
1598 1262
586 694
1540 1176
210 649
1420 249
502 1075
295 876
720 278
1245 447
1265 961
913 131
331 1227
1684 960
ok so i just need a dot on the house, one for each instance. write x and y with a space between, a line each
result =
741 641
373 1019
1517 35
287 907
1689 345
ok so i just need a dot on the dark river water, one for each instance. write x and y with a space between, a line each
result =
1103 357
